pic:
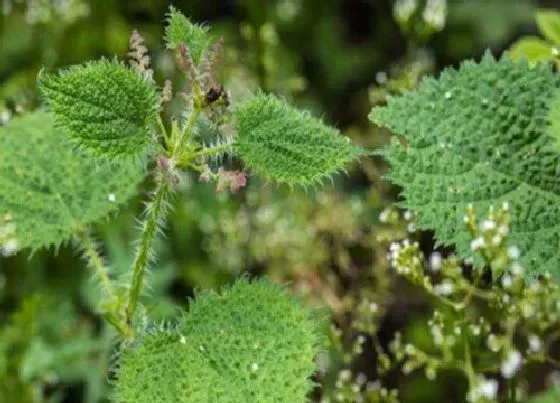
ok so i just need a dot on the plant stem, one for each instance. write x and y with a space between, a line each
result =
187 132
154 215
156 209
95 261
511 398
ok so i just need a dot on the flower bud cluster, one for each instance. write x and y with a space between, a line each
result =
488 317
355 388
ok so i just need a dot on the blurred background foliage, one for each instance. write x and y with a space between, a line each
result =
337 58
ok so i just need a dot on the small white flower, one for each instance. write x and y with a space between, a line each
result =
475 330
183 339
254 367
435 261
517 270
384 216
373 307
477 243
437 334
488 225
535 343
112 198
381 77
488 388
503 230
511 364
493 343
513 252
434 13
10 247
496 240
408 215
507 281
404 9
444 288
448 94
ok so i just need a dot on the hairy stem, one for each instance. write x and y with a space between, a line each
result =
154 215
94 260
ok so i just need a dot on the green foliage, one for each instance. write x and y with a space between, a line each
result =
554 118
535 49
549 24
180 30
250 342
289 146
52 191
550 396
105 107
479 135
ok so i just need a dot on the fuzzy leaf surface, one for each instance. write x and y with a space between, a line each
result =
480 135
51 190
105 107
180 30
251 342
287 145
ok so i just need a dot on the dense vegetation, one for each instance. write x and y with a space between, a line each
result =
196 207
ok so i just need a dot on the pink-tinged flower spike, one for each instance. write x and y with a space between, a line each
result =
235 180
239 181
139 60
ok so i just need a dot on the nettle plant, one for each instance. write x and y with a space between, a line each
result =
480 141
104 131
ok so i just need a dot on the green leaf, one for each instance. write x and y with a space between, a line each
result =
532 49
550 396
289 146
180 30
480 135
251 342
105 107
549 24
554 118
50 190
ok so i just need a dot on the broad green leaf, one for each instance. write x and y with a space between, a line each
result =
289 146
51 190
549 24
532 49
251 342
180 30
105 107
480 135
550 396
